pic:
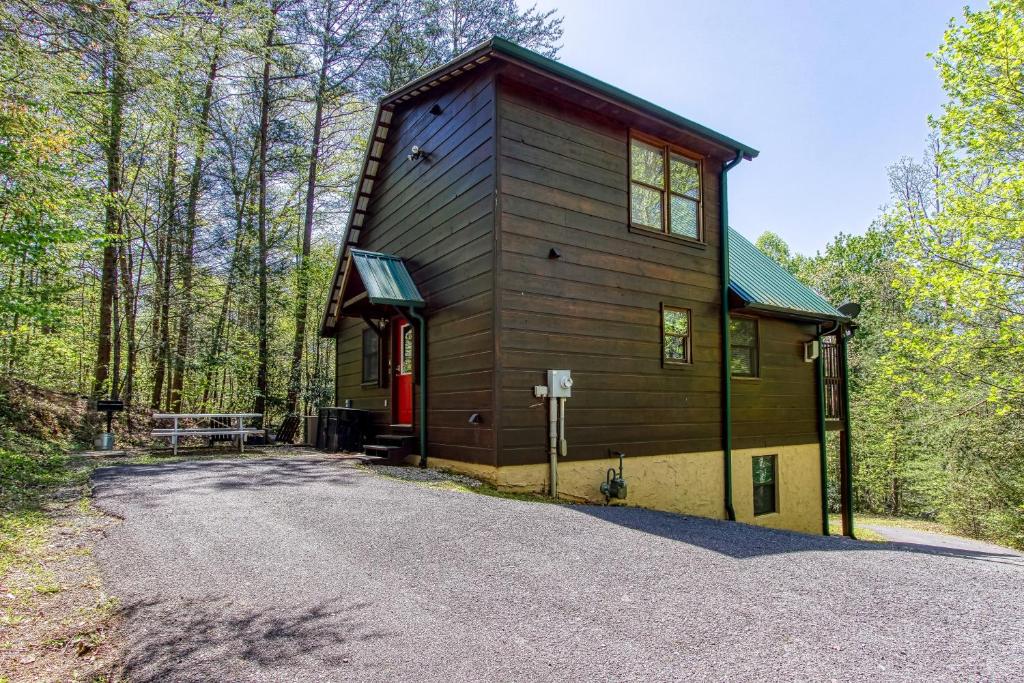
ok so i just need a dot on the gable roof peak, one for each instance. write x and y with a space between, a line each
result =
503 48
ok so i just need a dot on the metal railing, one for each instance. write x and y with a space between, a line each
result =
833 378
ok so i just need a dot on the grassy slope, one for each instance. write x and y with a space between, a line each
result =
54 618
37 428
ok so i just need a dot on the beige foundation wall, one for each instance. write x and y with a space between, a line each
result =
797 487
686 483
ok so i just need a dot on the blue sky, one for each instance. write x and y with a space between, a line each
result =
830 92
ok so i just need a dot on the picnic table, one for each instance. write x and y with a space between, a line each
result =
205 424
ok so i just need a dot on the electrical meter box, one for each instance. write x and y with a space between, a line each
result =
560 383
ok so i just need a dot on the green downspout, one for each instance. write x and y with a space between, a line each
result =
848 441
421 367
726 343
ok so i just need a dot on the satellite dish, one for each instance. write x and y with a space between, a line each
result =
851 310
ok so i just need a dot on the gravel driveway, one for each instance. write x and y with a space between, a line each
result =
310 569
933 541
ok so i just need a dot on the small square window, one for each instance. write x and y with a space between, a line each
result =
675 335
371 357
743 347
765 473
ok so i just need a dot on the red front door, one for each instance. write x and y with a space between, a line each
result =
403 351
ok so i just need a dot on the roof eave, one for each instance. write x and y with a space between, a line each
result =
792 313
510 50
410 303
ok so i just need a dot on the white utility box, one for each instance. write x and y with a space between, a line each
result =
560 383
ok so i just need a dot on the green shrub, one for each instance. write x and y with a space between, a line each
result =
23 476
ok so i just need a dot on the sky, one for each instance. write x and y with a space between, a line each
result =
830 92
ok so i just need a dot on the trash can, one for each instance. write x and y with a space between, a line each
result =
104 442
309 431
343 429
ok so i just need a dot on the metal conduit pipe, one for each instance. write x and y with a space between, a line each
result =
553 444
563 447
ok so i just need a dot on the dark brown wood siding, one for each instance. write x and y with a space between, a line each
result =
437 214
596 309
780 407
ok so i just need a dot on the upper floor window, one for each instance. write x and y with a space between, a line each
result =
743 344
664 189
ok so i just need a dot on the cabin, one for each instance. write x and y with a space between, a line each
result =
536 278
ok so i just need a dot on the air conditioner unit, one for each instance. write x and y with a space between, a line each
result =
812 350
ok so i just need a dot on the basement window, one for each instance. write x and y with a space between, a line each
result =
664 189
675 335
765 498
371 357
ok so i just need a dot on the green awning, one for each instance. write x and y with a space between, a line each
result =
386 279
764 285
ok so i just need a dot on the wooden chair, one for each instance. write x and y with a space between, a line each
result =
289 427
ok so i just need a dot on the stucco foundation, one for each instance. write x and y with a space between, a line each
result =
686 483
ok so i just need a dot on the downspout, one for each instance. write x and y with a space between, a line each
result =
848 441
421 371
723 253
822 433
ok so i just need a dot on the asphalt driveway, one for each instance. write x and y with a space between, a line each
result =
936 541
310 569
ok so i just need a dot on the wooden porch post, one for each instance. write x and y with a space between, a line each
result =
845 446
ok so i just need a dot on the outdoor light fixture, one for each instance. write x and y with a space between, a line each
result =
476 419
554 253
417 153
436 110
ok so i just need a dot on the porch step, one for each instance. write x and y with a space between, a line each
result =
406 440
393 454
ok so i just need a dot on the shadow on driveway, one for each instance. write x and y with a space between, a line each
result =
224 640
736 540
222 475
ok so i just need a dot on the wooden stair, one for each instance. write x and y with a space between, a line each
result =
392 447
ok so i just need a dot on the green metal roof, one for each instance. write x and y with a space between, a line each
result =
517 52
765 285
386 279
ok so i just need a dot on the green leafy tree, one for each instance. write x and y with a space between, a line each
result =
961 248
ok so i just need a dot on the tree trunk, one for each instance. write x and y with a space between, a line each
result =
12 349
128 324
170 221
302 290
262 314
188 253
112 219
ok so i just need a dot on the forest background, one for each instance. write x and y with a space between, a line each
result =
175 175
